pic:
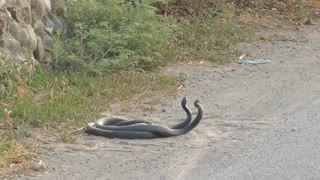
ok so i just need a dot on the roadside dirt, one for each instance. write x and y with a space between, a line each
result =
241 103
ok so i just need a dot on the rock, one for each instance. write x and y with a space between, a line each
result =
19 33
39 51
3 26
48 42
56 22
11 44
14 14
32 37
48 25
25 27
21 4
38 8
6 15
19 9
2 2
47 4
38 27
24 34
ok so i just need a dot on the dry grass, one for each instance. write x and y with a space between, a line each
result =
16 155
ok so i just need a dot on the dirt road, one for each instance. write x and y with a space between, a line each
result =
249 109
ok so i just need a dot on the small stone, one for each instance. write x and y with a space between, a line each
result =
39 166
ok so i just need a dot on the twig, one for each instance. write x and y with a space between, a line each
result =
77 130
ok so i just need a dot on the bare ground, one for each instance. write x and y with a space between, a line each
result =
243 105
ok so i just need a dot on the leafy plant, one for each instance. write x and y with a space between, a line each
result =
108 35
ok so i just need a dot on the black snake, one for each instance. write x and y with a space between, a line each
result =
139 129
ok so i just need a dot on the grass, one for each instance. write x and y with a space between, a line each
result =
273 13
62 102
210 39
48 98
17 155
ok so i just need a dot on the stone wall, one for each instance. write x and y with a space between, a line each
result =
28 25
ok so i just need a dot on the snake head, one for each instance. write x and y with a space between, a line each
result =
184 100
196 102
200 109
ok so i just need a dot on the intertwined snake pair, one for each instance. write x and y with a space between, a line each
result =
139 129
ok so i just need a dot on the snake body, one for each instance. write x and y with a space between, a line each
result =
139 129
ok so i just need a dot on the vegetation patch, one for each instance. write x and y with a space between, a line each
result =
108 36
61 102
105 55
210 39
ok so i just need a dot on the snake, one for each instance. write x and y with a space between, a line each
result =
140 129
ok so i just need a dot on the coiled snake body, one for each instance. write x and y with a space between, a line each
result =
139 129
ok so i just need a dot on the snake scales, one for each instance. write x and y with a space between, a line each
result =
140 129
